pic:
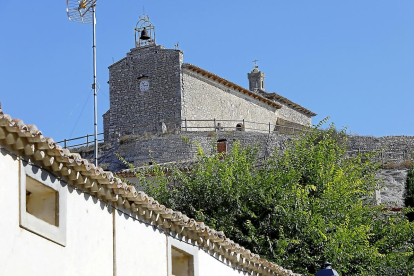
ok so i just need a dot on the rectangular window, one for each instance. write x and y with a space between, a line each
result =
42 203
182 258
182 263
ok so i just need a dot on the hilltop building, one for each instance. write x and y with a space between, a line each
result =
153 90
61 215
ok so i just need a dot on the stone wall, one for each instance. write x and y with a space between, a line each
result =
169 147
163 148
176 93
129 106
205 99
290 114
392 143
178 147
288 127
394 148
175 147
392 193
106 124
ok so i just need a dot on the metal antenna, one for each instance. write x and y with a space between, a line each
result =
83 11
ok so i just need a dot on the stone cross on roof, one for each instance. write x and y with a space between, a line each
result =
255 63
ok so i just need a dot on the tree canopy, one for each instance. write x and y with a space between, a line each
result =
298 208
409 192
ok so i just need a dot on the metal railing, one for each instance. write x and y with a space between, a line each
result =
385 156
86 137
208 125
224 125
186 125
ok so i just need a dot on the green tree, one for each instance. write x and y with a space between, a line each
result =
409 192
298 208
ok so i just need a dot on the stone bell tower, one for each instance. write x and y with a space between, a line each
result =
256 78
144 87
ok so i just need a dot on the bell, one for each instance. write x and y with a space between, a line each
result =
144 35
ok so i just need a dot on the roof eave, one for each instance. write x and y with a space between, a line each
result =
230 84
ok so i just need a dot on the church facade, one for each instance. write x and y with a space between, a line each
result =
153 90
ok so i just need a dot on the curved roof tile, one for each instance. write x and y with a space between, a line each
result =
81 173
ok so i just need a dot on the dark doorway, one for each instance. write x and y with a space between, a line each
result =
222 148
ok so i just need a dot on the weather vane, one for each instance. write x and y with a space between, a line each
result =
83 11
255 63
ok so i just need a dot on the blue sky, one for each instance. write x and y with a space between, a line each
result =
350 60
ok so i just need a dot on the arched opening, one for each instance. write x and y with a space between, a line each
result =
239 127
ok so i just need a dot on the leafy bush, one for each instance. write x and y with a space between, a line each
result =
305 205
409 192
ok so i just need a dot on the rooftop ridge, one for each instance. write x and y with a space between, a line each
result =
30 142
287 102
230 84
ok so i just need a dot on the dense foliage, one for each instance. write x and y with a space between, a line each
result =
298 208
409 192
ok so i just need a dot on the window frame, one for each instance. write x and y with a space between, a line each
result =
187 248
33 224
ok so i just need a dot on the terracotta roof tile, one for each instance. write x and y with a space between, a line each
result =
286 101
79 172
230 84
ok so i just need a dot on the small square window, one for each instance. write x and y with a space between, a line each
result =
182 258
42 203
182 263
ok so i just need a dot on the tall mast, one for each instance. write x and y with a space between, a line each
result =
95 96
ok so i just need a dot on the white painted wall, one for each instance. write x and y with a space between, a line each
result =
140 249
88 248
209 265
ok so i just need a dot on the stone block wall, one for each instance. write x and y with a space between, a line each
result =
391 143
205 99
176 93
295 116
288 127
171 147
106 124
392 194
163 148
394 148
133 110
178 147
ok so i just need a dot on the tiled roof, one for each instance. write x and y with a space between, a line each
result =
30 143
230 84
286 101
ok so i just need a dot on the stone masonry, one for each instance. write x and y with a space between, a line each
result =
152 91
176 147
204 98
130 106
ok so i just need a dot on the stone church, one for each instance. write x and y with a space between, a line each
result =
153 90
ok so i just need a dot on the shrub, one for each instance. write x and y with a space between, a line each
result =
409 192
305 205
